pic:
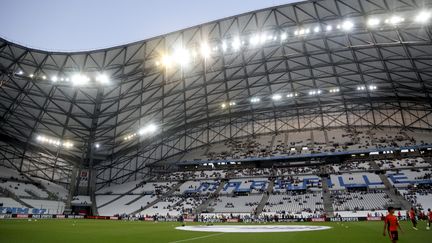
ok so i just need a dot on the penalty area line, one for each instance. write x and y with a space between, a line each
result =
197 238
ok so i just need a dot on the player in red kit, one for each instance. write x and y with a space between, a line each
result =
429 219
412 216
391 225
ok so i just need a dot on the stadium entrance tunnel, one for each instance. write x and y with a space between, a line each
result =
253 228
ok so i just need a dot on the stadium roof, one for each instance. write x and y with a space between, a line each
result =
151 99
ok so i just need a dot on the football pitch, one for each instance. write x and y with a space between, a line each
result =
77 231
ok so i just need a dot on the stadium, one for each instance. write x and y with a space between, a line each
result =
300 122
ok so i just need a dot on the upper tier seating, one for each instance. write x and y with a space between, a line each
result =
403 163
23 189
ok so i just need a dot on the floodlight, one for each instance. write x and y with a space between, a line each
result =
205 50
181 56
255 100
102 78
79 79
372 22
224 46
347 25
254 40
423 17
276 97
236 44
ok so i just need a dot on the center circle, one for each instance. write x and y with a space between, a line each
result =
252 228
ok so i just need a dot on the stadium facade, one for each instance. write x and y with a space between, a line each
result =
94 118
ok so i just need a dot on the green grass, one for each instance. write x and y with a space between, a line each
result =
77 231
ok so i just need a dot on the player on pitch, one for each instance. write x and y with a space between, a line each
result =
391 225
429 216
413 217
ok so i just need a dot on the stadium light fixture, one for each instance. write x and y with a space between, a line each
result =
44 77
102 78
54 79
97 145
255 100
224 46
223 105
149 129
394 20
205 50
315 92
334 90
291 95
423 17
232 103
372 87
254 40
167 60
317 29
181 56
361 87
347 25
373 22
236 44
79 79
276 97
20 72
329 28
53 141
68 144
262 38
296 32
283 36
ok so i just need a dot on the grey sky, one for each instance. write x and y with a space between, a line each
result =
92 24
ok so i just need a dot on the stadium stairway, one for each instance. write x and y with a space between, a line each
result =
211 198
327 200
286 141
16 198
120 196
136 199
167 194
265 198
399 201
327 141
272 141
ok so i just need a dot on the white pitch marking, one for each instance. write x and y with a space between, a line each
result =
253 228
196 238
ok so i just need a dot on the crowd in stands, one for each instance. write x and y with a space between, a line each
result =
360 200
308 142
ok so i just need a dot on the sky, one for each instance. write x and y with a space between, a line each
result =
76 25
